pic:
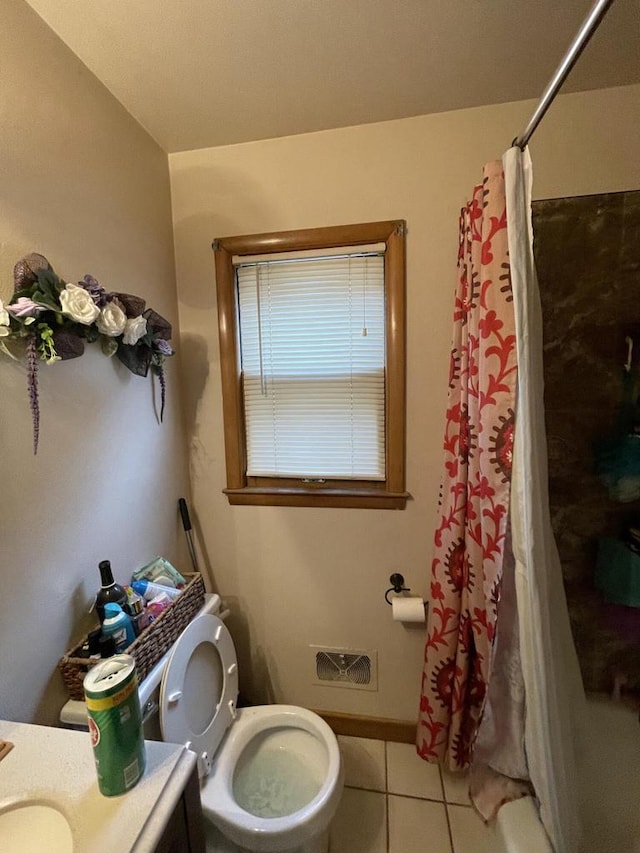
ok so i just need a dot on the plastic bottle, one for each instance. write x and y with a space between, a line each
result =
158 605
110 590
91 646
136 610
117 624
149 590
107 647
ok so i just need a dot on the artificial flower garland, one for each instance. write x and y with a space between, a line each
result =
55 318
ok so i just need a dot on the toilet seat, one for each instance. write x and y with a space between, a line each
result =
199 689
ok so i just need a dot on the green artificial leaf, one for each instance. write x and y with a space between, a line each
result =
76 328
49 281
27 292
109 346
91 333
6 351
48 289
44 297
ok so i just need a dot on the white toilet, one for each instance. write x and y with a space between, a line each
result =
271 776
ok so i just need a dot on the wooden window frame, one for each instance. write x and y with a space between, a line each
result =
364 494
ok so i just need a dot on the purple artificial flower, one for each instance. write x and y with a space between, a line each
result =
163 347
32 387
163 389
96 291
24 307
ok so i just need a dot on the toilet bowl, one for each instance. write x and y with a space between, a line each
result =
276 781
271 776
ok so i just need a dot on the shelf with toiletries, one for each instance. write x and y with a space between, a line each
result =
157 606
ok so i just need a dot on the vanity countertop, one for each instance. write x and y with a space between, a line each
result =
56 766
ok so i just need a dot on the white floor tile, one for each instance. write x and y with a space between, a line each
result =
409 774
364 762
417 826
470 834
456 787
360 824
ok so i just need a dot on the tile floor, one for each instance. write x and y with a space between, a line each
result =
394 802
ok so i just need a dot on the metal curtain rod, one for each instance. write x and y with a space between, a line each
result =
588 28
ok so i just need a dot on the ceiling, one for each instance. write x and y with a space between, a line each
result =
198 73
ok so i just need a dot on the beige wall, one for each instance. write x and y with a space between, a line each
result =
305 576
82 183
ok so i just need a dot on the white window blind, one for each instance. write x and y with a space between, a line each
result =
312 342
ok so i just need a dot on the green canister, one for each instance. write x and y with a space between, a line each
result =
115 724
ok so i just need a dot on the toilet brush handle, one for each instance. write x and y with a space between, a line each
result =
184 512
186 523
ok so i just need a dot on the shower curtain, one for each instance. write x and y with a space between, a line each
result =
504 615
556 730
473 513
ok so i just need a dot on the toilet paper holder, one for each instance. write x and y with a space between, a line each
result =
397 585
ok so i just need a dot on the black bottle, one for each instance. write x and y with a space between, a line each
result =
110 591
91 646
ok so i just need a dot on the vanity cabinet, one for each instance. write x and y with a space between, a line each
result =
184 832
55 767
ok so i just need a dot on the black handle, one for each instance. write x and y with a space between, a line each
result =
184 512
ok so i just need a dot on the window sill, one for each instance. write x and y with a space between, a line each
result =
347 499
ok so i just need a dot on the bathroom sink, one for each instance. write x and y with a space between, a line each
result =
27 827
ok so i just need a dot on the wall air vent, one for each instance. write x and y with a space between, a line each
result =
353 668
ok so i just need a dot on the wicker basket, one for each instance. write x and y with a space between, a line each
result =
148 648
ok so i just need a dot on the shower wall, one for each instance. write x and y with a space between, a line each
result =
588 258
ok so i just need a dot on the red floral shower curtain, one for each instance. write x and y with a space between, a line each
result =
474 501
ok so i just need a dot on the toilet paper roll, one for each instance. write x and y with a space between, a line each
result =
408 608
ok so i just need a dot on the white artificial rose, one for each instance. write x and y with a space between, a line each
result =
134 329
111 321
78 304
